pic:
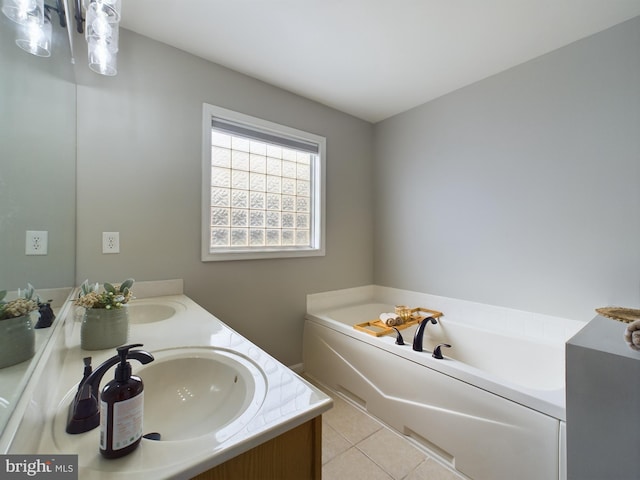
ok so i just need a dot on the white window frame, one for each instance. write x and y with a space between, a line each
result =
317 248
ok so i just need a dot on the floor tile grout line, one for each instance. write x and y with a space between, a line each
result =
361 453
383 426
337 430
425 456
374 461
341 434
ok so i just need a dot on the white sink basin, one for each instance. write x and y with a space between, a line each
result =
189 392
148 311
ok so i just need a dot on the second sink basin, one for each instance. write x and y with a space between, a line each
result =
148 311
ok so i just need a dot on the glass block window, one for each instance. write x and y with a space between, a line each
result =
262 190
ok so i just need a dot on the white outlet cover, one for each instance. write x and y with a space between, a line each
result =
110 242
36 242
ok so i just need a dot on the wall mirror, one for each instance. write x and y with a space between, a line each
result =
37 176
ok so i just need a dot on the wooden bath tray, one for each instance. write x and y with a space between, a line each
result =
378 329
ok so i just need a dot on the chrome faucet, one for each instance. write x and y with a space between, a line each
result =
417 338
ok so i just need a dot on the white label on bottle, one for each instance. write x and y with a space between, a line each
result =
127 421
103 425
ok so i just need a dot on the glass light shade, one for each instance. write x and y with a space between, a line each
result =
24 11
102 60
100 30
35 38
108 8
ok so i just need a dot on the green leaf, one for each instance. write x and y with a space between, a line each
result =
28 292
84 287
3 293
128 283
109 288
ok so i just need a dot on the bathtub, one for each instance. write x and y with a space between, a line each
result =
492 408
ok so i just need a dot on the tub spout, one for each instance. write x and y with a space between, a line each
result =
417 338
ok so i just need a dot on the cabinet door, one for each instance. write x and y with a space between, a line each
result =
294 455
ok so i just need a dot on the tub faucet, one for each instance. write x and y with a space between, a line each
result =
399 339
417 338
437 352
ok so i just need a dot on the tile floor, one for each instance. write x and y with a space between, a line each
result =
356 446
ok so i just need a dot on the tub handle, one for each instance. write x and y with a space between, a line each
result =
437 353
399 339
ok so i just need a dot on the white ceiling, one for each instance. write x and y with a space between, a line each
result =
371 58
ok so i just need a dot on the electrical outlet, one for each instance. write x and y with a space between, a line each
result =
36 243
110 242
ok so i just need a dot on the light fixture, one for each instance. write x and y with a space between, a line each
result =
24 11
102 28
35 38
102 22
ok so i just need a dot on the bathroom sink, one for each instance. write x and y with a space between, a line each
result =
148 311
189 392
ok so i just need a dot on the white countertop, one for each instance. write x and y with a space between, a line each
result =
289 401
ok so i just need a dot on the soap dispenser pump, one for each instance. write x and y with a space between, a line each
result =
121 405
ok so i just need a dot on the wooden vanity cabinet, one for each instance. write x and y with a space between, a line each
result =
294 455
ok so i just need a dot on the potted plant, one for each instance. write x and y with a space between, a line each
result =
105 323
17 337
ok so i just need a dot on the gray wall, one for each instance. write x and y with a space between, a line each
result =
139 173
522 189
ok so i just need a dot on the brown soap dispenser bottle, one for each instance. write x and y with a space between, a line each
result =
121 406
